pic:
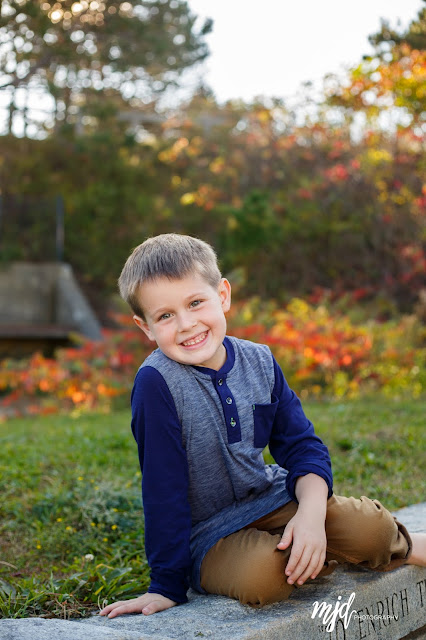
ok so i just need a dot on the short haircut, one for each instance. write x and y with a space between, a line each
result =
169 255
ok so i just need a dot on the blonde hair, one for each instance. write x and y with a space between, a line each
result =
169 255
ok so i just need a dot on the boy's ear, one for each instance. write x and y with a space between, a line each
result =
225 294
143 326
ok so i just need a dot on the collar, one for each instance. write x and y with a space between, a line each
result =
229 362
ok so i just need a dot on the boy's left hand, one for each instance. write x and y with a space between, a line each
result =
307 531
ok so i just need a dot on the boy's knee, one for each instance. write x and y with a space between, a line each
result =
389 541
255 576
364 528
377 523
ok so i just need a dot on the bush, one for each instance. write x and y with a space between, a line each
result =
323 352
321 349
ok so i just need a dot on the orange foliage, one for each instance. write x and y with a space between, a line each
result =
320 351
86 378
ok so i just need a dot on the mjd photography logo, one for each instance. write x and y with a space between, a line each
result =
330 615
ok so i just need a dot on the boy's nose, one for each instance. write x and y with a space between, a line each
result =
186 322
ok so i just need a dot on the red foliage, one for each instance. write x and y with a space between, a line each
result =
86 377
315 347
337 173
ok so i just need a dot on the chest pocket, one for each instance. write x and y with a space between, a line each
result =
264 415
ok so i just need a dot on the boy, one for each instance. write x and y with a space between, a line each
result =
204 406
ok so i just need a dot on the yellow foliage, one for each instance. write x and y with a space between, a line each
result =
187 198
379 156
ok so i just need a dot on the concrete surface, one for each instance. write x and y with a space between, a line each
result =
386 606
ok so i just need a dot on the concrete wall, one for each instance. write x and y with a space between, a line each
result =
41 295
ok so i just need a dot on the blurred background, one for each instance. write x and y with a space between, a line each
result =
289 137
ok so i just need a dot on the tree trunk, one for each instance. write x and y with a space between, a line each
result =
12 109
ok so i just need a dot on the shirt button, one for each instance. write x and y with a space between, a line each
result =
233 423
220 382
228 400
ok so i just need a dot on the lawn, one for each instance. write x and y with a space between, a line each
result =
71 532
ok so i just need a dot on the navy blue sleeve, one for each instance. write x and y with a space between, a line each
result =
164 467
293 443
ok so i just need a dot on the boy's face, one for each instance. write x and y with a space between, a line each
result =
186 318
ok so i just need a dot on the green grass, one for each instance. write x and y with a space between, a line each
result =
70 490
377 447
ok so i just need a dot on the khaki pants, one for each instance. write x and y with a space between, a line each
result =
246 565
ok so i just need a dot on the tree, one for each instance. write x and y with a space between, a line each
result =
135 49
393 79
414 36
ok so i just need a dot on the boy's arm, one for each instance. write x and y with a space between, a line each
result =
294 446
293 442
164 467
306 530
157 431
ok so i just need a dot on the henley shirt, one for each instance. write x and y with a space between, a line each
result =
200 436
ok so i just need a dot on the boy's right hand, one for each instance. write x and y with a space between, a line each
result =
146 604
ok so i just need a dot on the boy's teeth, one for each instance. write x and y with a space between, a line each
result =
188 343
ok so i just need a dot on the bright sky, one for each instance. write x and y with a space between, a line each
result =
269 47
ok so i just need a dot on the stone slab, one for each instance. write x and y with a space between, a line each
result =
36 295
72 305
40 629
385 606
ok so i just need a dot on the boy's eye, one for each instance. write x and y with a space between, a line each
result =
165 316
195 303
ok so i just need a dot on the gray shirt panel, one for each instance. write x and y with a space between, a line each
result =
220 472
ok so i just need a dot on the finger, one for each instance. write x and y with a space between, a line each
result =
319 566
307 573
110 607
309 566
286 539
131 607
155 607
300 566
118 611
295 556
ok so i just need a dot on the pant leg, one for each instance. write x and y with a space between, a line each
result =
247 565
361 531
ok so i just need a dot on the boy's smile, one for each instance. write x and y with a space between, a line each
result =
194 342
186 318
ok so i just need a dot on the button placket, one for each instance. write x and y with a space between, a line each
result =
229 410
